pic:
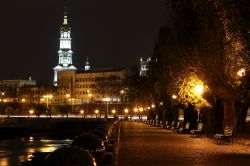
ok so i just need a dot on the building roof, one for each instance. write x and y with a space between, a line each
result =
99 70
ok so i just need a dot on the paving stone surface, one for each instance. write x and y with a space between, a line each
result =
144 145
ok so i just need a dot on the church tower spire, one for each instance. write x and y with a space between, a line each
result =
65 52
87 64
65 20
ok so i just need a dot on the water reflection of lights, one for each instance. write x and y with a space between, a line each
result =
30 150
13 152
50 148
50 140
29 157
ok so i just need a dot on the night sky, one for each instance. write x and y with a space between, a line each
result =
113 33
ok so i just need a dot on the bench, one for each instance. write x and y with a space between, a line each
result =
175 127
226 136
197 132
159 124
184 129
169 125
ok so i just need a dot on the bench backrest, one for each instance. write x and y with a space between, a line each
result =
228 130
178 124
166 123
187 126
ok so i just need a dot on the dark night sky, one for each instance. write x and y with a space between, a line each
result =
113 33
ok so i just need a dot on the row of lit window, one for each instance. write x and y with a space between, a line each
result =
97 92
86 86
96 86
87 92
112 78
36 92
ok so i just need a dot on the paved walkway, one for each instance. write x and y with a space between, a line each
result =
145 145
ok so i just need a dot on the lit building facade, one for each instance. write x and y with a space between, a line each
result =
9 88
65 53
144 66
80 87
35 94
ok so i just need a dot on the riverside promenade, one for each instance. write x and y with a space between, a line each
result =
144 145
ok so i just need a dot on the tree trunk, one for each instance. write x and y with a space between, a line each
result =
229 113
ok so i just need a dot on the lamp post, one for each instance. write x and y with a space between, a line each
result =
141 111
82 112
106 113
72 104
135 111
2 98
126 113
71 101
31 112
89 100
96 112
113 112
48 97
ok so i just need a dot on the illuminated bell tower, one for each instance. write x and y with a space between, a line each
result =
65 52
87 65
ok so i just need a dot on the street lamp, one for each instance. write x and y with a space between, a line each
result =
90 96
135 110
48 97
198 90
141 110
67 95
122 92
72 104
106 113
96 112
113 112
174 97
82 112
31 112
126 111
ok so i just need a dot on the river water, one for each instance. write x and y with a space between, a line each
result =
15 151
